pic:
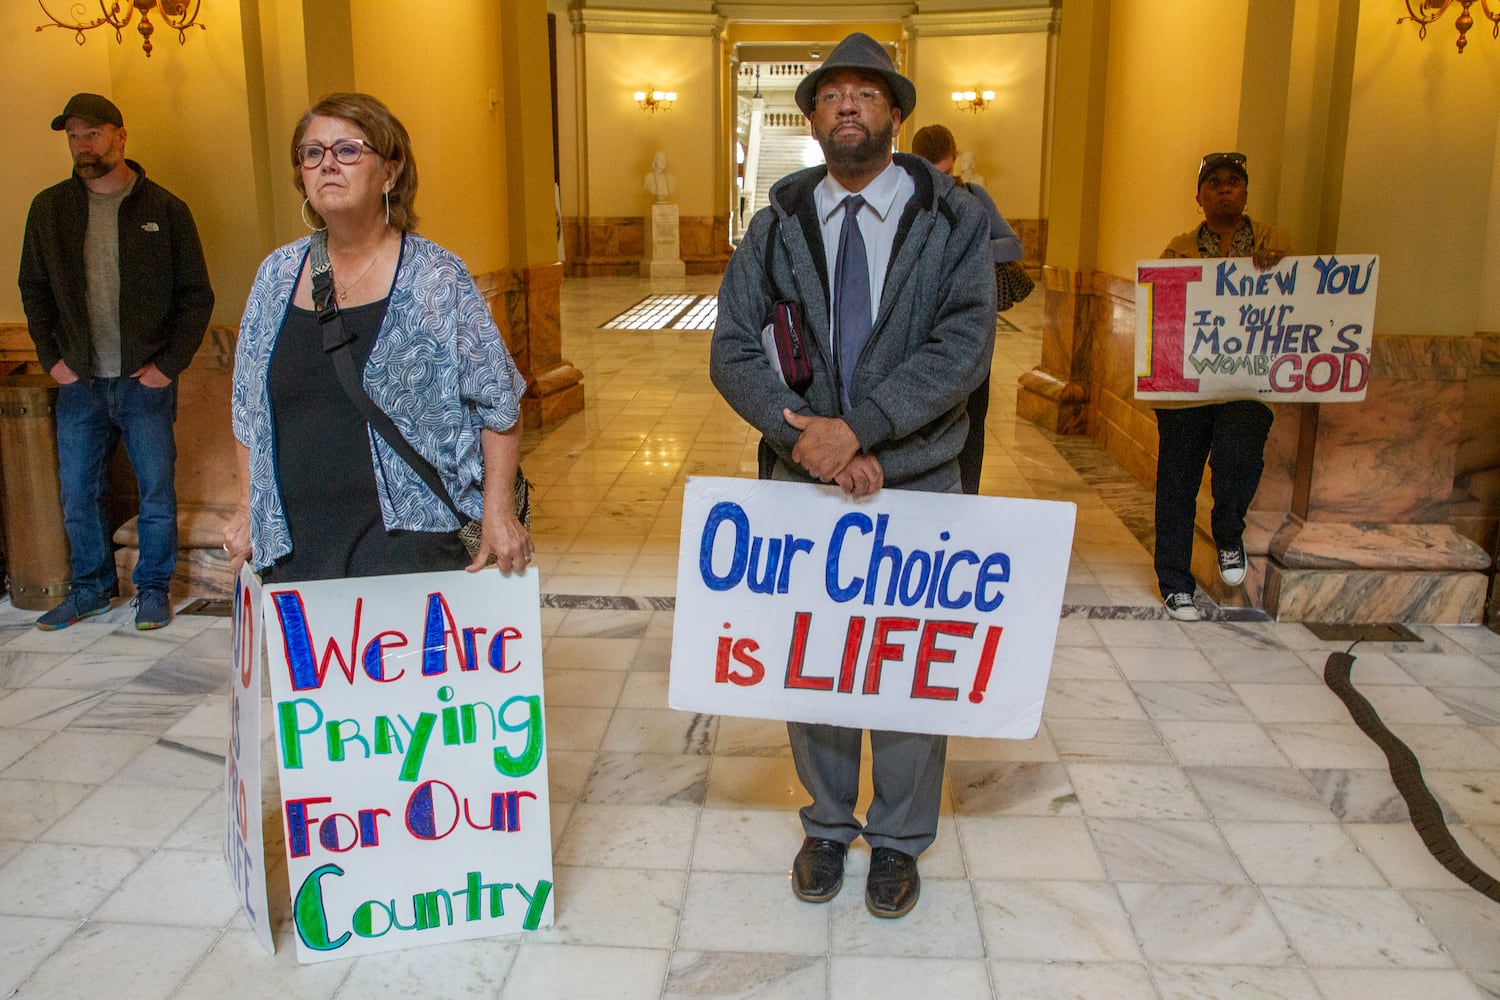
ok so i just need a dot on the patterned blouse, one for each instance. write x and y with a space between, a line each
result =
439 369
1241 244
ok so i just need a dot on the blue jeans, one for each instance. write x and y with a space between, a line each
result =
93 415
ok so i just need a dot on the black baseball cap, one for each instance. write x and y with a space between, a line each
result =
92 108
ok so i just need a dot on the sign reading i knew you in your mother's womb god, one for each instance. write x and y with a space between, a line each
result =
411 749
1218 328
917 612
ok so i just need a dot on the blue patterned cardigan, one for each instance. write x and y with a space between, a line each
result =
439 368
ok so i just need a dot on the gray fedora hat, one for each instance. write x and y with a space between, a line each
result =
860 51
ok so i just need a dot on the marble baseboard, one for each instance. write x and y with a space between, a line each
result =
200 572
1440 598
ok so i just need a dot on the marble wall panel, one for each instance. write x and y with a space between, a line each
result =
600 246
1378 596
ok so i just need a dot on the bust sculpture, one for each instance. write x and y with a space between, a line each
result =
657 181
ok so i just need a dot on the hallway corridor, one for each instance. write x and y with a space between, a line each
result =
1198 816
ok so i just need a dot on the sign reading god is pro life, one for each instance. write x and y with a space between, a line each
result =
918 612
410 744
244 846
1217 328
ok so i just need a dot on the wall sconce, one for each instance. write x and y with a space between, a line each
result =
1430 11
655 100
972 100
180 15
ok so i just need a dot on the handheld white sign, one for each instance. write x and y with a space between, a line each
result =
916 612
244 844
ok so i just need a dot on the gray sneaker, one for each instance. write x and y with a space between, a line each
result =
77 606
152 609
1181 607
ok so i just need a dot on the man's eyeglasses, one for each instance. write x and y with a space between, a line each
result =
864 97
346 151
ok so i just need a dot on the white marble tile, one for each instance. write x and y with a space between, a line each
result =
1371 668
474 968
1447 670
203 829
568 773
63 880
175 887
585 973
582 688
1074 699
1242 982
142 960
576 728
1306 854
1397 851
647 779
1038 748
20 668
1054 921
1362 928
49 709
1135 791
1075 980
747 840
736 911
1470 794
1026 847
1022 788
627 908
1152 635
661 731
585 653
1449 748
754 783
628 837
1082 662
1259 793
1190 701
1362 984
1220 744
699 975
1476 706
186 762
1163 664
1171 851
1293 702
944 924
69 640
17 743
79 757
1323 745
1248 666
646 689
1411 704
121 816
1465 923
1205 924
25 942
33 806
1120 741
1359 796
852 977
739 737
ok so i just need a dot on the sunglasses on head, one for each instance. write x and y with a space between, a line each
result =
1214 159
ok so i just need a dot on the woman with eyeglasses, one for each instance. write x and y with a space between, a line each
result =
365 313
1229 436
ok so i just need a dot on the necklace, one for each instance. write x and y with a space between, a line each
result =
349 286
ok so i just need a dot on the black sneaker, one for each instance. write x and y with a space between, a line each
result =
77 606
1232 565
1181 607
152 609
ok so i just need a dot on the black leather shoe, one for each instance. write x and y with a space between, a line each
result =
818 870
893 884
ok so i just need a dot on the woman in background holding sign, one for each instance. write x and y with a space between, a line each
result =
376 407
1229 436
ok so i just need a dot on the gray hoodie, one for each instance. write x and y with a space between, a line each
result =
930 345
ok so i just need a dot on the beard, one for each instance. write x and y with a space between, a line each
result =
91 167
847 155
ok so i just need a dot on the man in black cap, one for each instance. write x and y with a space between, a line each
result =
901 323
117 299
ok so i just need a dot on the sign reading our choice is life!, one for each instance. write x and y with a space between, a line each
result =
244 844
411 749
1217 328
917 612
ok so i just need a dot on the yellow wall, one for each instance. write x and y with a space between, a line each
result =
1419 181
1006 137
622 138
1161 116
443 100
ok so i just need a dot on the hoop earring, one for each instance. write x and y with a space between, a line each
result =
387 207
305 222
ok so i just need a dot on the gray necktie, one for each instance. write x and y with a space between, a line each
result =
851 282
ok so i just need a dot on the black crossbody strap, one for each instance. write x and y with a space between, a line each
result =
336 342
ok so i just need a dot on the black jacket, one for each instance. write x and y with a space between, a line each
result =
165 296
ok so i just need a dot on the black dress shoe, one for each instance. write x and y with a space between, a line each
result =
818 870
892 888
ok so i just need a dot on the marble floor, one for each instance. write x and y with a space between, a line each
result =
1198 816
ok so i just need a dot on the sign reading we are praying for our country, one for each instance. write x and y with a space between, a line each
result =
411 749
1217 328
915 612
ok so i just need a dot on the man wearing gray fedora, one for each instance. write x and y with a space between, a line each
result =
900 322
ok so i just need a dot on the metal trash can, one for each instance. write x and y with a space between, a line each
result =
36 546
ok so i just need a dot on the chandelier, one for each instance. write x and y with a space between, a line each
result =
1430 11
179 15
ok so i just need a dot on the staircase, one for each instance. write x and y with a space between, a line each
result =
781 152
